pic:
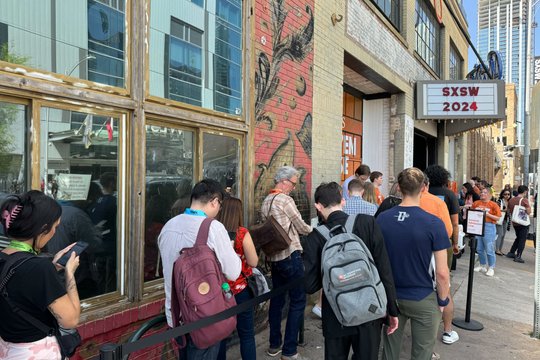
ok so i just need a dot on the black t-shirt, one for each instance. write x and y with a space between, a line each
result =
448 197
33 287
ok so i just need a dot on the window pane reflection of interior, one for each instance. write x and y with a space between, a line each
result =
221 158
79 167
169 178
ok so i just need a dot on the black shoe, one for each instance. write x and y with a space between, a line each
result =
510 255
519 260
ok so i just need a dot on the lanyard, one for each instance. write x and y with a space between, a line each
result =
190 211
22 246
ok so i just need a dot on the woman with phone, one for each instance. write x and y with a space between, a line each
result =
230 216
29 221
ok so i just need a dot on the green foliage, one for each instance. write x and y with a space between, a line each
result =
11 57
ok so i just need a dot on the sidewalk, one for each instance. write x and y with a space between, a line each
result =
504 304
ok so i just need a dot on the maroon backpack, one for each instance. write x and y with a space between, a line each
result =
196 291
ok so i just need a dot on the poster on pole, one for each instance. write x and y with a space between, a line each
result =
476 219
73 186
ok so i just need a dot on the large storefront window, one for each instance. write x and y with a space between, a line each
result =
13 149
169 179
79 38
79 168
427 35
196 53
456 64
221 160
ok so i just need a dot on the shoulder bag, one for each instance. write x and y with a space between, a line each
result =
270 236
520 216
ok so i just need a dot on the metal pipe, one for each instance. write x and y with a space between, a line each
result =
89 57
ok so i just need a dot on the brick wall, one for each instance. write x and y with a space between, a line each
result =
284 89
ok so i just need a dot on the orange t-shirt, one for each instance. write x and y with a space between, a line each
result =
378 196
491 208
436 206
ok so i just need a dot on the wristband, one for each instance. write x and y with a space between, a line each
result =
444 302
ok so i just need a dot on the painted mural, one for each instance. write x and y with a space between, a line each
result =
284 91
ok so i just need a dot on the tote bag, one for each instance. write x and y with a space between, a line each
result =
501 219
519 215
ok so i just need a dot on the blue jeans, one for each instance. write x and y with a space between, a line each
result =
283 272
191 352
486 245
245 328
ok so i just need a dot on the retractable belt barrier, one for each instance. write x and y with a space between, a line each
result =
112 351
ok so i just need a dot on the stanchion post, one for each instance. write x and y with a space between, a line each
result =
109 351
467 323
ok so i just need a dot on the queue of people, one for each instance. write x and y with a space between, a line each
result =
411 237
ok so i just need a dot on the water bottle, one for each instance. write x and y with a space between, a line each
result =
227 290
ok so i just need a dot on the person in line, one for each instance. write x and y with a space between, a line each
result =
181 232
364 339
362 173
393 199
521 230
356 204
504 198
287 265
486 244
376 179
369 193
412 237
231 217
30 221
438 182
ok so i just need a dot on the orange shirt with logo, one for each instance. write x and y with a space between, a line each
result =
490 206
436 206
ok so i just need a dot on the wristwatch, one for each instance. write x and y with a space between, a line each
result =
444 302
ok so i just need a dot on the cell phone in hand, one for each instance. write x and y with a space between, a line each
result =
79 247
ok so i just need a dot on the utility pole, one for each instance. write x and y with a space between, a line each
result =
527 126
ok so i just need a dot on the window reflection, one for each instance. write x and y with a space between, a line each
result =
221 158
12 148
201 47
169 178
79 167
82 38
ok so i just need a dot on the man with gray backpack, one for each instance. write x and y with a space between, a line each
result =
346 257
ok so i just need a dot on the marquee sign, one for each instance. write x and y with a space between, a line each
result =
453 99
536 70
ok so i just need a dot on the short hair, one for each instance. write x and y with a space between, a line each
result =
355 185
475 178
107 179
231 213
375 175
285 173
29 215
438 176
207 190
362 170
522 188
328 194
410 181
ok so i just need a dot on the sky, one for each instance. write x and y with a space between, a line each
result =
471 11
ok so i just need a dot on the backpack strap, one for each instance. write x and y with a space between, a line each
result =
349 225
202 235
324 231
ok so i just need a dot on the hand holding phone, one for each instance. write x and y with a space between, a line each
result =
79 247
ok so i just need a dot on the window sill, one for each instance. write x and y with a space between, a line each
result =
426 66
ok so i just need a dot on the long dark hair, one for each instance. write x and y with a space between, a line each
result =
231 214
471 192
29 215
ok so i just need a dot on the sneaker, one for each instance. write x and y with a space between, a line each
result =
450 337
435 356
296 356
510 255
499 252
519 260
273 351
490 272
317 310
481 268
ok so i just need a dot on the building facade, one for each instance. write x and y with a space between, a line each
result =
502 26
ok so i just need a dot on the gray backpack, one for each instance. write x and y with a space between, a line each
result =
350 279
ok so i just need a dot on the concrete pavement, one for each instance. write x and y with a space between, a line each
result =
504 304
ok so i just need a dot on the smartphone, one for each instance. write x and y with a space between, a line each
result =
79 247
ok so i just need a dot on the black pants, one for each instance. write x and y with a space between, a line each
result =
365 343
521 238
